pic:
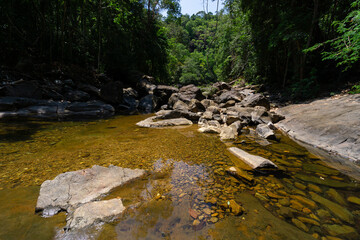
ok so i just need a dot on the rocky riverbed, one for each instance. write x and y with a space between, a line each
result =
190 190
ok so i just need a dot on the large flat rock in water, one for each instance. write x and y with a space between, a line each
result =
331 124
95 212
255 162
69 190
151 122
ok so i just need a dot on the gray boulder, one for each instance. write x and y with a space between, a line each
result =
209 129
222 86
189 92
196 106
265 131
69 190
257 99
230 95
228 133
93 213
207 103
258 112
151 123
180 105
179 114
208 115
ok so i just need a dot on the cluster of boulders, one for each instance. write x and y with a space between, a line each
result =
56 96
79 193
225 112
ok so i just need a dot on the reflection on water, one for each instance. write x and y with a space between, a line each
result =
187 192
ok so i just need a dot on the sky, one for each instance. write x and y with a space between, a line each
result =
193 6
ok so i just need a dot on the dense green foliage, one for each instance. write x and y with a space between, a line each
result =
117 36
297 46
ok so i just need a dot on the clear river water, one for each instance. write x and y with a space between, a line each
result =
186 192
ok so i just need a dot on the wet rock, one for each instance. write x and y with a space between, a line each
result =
151 123
214 220
300 225
264 131
273 195
240 174
68 190
311 204
309 220
284 202
196 106
261 197
286 212
334 195
323 214
256 100
255 162
180 105
326 182
112 92
300 186
196 223
335 208
314 188
296 205
235 208
179 114
354 200
193 213
207 211
342 231
94 213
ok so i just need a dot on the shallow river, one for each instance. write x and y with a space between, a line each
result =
187 192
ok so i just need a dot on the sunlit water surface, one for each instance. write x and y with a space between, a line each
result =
186 173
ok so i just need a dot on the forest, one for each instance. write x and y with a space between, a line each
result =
298 47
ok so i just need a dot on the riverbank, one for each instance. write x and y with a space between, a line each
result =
331 124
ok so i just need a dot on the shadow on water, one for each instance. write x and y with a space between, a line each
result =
16 131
